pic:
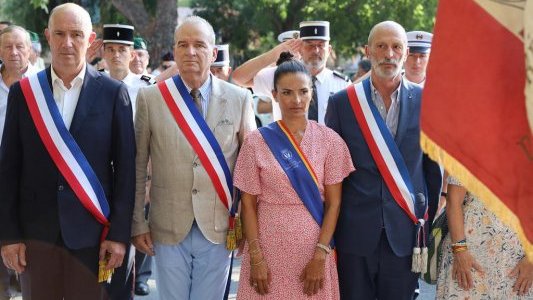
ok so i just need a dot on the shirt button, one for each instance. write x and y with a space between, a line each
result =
195 164
60 188
194 191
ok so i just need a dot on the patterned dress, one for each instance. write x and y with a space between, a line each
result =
494 246
287 232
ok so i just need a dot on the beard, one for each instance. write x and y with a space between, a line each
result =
383 72
315 63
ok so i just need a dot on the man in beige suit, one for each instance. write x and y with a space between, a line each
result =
187 225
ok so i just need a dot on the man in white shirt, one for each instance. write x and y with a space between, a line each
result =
15 47
118 54
419 43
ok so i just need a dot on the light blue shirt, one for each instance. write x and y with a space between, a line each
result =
205 92
390 117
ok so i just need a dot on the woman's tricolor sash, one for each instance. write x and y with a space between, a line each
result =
384 150
199 136
63 149
298 169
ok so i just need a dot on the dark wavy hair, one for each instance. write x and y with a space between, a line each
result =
288 64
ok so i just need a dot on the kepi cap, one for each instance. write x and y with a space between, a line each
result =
288 35
118 33
314 30
222 56
419 41
139 43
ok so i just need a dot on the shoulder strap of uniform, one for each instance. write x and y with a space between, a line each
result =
341 76
148 79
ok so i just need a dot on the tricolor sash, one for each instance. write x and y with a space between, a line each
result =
294 163
384 150
199 136
63 149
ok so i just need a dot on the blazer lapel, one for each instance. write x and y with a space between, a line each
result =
90 87
406 97
217 104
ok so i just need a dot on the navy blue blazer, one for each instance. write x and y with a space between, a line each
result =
36 201
367 205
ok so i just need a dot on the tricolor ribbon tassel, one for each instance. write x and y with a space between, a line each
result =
420 254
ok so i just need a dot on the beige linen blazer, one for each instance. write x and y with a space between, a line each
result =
181 191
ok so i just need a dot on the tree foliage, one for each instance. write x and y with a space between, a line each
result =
251 26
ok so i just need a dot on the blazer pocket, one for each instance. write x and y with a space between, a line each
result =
224 133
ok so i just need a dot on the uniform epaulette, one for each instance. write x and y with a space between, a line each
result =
148 79
341 76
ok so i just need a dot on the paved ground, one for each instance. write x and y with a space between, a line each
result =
427 292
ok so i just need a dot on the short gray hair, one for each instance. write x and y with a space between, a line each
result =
12 28
196 20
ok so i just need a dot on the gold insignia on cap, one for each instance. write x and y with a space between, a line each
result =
316 30
118 33
295 35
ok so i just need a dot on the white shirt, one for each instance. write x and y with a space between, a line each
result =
263 86
67 99
327 84
4 91
134 83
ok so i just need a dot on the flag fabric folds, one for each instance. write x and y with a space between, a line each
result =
474 118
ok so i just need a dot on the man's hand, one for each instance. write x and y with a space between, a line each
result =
14 257
94 50
115 252
143 243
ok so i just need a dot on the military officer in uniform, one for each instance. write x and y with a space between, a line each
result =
118 54
419 43
140 62
315 52
220 67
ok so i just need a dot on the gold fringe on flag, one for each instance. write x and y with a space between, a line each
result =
476 187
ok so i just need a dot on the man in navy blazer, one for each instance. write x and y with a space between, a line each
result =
374 236
47 235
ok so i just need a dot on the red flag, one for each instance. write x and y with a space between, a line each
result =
474 118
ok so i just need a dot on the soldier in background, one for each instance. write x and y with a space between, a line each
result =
140 62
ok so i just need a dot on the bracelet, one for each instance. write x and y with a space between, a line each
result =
255 251
458 249
460 243
257 263
444 194
252 241
327 249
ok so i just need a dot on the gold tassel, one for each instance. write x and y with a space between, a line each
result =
231 242
103 274
238 228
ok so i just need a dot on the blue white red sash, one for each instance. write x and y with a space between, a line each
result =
199 136
384 150
298 169
63 149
